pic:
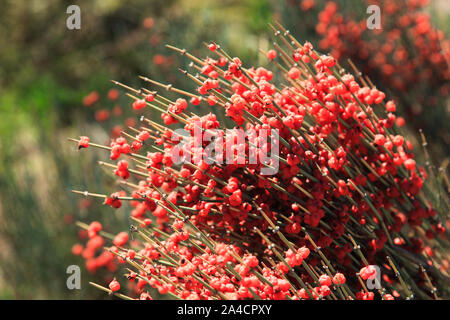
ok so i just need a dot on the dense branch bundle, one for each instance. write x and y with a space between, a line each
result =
332 204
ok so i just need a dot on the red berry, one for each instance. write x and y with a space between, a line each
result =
325 280
195 101
410 164
95 227
368 272
113 94
303 252
139 104
390 106
212 47
114 285
131 254
84 142
77 249
271 54
150 97
121 239
379 139
294 73
339 279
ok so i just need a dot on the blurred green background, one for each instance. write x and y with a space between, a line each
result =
46 71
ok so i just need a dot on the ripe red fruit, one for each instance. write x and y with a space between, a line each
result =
139 104
185 173
212 47
325 280
390 106
195 101
410 164
379 139
95 226
143 135
212 100
113 94
131 254
367 272
114 285
324 290
303 252
77 249
136 145
84 142
398 140
235 210
400 121
271 54
91 98
339 278
294 73
150 97
121 239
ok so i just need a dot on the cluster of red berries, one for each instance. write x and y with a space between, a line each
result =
347 192
94 245
408 56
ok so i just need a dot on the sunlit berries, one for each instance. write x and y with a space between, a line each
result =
114 285
222 229
271 54
410 164
139 104
325 280
212 47
121 239
339 279
150 97
294 73
84 142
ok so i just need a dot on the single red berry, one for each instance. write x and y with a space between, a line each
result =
77 249
113 94
131 254
212 47
114 285
339 279
94 228
368 272
271 54
390 106
150 97
303 252
139 104
84 142
294 73
121 239
325 280
195 101
379 139
410 164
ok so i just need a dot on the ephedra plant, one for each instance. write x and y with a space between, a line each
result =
343 211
